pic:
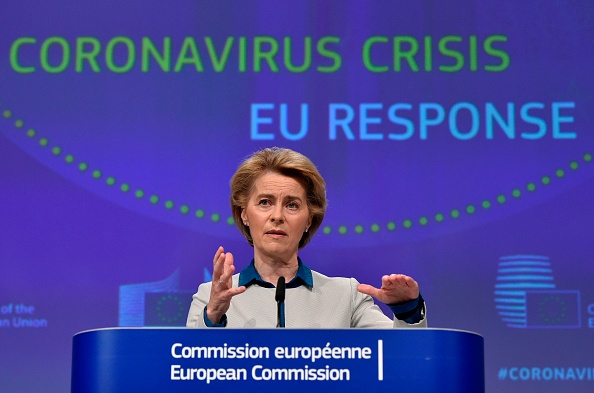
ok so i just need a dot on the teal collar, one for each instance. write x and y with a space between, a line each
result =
250 276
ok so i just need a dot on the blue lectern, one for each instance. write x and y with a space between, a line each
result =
288 360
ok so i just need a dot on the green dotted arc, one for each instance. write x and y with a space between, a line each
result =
358 229
110 181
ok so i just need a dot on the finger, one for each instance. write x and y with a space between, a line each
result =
219 265
224 297
411 282
236 291
390 281
220 250
368 290
398 279
227 270
408 281
228 264
225 278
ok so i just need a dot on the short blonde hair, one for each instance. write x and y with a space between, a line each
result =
286 162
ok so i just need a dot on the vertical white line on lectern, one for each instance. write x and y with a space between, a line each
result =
380 360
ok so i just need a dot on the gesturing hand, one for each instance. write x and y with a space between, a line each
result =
396 288
222 290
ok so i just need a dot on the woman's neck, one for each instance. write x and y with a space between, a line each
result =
270 268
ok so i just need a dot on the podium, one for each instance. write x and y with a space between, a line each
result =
289 360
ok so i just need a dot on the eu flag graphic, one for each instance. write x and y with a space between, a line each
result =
553 309
166 308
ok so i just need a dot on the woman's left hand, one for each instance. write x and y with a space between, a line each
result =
396 288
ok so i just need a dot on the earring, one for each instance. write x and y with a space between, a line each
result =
245 223
306 229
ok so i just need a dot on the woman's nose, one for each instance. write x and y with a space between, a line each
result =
277 214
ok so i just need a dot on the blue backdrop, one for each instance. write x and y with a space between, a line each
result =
456 140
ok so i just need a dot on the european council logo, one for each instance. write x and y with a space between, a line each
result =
526 295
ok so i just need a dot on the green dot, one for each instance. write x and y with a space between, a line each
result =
342 229
423 220
545 180
391 226
560 173
31 133
327 230
439 217
587 157
375 228
154 199
455 213
501 199
168 204
486 204
43 142
125 187
184 209
470 209
531 187
83 166
407 224
215 217
230 221
18 123
96 174
7 114
200 213
139 193
574 165
110 181
359 229
56 151
516 193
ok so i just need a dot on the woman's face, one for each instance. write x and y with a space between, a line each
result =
277 215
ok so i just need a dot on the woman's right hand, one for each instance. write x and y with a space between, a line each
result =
222 290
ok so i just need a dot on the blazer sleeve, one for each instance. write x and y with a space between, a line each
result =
199 301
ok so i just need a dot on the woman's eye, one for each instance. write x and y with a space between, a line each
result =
293 205
264 202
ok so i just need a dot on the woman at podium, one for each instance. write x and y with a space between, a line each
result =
278 199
